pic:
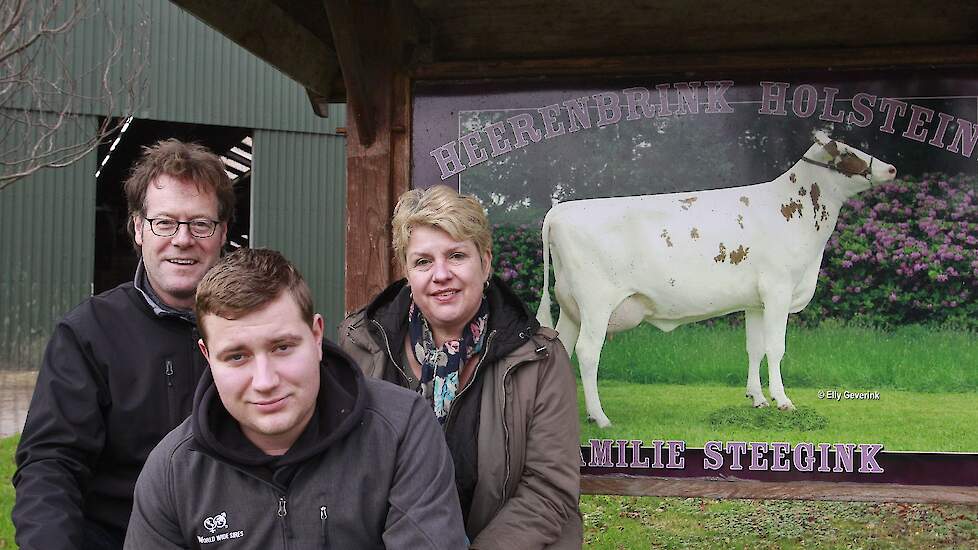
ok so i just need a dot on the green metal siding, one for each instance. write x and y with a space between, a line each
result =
47 232
298 206
193 73
198 75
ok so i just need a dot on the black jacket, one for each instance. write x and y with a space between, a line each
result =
370 470
116 378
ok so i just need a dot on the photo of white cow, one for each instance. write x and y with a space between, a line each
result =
679 258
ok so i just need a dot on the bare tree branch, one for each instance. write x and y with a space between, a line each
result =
48 94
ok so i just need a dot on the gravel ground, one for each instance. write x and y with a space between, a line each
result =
16 388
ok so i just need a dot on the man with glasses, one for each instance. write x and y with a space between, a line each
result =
121 368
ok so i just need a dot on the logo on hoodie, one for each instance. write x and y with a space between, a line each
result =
220 521
217 523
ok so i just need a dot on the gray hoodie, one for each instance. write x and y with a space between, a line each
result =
370 471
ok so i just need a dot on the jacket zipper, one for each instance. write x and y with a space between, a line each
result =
505 435
407 379
451 413
506 432
282 513
172 399
323 516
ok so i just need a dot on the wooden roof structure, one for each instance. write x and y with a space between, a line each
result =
326 44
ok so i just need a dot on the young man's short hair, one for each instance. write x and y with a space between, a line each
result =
246 280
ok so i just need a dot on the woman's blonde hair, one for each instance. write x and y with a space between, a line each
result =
461 216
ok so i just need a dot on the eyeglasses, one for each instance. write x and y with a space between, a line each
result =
167 227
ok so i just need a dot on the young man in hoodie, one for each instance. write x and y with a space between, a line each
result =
288 444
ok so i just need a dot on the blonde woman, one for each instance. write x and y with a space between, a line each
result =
500 385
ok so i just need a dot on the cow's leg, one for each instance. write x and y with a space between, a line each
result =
755 352
594 326
567 330
776 306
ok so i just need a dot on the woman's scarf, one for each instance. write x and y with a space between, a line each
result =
440 366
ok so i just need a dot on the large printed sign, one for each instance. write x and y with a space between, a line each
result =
809 241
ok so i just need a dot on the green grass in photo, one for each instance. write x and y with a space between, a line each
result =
689 385
900 420
912 358
803 419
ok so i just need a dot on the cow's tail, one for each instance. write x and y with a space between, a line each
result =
543 312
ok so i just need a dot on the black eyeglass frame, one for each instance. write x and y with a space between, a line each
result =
152 227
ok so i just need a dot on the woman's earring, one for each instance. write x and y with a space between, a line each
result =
487 284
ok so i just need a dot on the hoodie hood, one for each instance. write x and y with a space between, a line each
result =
339 409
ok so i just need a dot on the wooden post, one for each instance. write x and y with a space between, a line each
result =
368 43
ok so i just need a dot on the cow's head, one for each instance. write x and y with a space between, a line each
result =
859 169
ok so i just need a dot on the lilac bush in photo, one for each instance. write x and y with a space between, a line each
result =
904 253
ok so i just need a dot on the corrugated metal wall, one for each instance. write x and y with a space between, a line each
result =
194 75
200 76
47 226
298 206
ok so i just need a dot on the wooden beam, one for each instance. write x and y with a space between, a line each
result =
350 39
263 29
799 490
378 167
725 62
400 152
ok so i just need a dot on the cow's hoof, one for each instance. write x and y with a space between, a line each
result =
758 401
786 406
602 421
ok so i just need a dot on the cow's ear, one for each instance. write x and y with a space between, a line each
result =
832 148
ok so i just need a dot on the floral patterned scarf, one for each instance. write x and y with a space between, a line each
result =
440 366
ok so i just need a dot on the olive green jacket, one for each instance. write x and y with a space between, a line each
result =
529 437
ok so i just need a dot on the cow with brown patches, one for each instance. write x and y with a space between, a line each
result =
611 273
